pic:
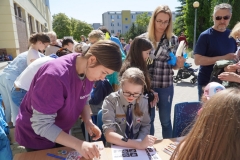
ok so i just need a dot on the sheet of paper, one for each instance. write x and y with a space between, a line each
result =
180 48
123 153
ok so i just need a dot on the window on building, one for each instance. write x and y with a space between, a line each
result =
37 26
112 24
118 16
42 28
119 31
119 24
126 19
15 9
126 27
30 24
112 31
112 16
19 12
132 16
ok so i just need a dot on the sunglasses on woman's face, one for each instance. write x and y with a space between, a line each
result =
218 18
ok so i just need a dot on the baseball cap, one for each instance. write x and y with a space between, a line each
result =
212 88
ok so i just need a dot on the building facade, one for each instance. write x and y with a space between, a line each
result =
120 21
20 19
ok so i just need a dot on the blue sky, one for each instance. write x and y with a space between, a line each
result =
91 11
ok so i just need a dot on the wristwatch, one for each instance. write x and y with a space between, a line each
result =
124 139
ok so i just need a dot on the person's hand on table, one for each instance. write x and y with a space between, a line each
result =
149 140
93 130
88 150
229 76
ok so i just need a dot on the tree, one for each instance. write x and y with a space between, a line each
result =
203 18
142 20
61 25
235 15
139 26
82 28
73 24
179 25
131 32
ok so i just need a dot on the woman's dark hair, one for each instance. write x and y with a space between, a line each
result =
62 52
107 54
104 30
135 58
43 37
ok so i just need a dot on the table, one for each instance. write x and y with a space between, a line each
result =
107 154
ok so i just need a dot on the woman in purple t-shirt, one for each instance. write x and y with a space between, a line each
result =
57 97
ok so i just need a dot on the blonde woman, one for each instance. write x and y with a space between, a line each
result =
161 35
95 35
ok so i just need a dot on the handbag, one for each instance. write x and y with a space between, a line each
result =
151 58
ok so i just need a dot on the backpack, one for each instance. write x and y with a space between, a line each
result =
218 68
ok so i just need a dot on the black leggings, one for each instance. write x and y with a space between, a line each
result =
31 150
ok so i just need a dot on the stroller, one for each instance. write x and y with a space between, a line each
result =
185 73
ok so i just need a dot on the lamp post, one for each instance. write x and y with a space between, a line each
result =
113 25
195 5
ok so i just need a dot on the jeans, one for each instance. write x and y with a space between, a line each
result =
200 92
164 109
11 109
17 95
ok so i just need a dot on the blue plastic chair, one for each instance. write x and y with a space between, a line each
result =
99 124
184 114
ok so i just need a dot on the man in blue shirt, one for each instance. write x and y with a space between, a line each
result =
214 44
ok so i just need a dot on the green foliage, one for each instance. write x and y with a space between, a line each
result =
82 28
61 25
179 25
64 26
139 27
235 13
142 20
203 18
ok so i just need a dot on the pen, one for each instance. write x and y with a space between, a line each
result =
55 156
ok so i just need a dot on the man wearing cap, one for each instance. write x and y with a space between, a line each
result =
214 44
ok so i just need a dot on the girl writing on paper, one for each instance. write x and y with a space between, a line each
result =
57 97
125 113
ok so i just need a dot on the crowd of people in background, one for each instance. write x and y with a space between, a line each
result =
47 88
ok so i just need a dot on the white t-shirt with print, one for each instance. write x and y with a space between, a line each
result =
32 54
24 80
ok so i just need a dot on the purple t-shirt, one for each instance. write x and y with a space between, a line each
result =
56 88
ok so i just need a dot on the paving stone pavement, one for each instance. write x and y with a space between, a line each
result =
184 91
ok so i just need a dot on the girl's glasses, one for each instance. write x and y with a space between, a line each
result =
135 95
